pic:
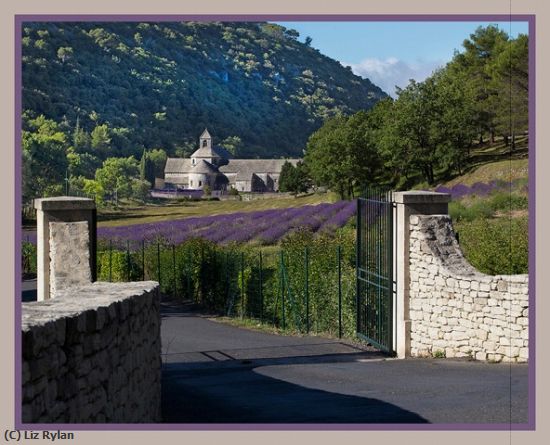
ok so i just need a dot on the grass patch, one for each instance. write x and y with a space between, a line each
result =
268 328
508 170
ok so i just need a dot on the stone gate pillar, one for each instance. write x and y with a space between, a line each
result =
407 204
66 243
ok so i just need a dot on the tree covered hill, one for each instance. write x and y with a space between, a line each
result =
151 85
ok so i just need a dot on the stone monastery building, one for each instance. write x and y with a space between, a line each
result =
214 167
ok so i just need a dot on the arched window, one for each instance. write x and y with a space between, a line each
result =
191 183
200 183
204 143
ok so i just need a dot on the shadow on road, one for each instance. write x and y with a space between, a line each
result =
215 373
218 393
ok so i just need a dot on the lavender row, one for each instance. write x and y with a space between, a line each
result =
481 189
265 227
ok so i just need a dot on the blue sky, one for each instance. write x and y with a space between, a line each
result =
391 53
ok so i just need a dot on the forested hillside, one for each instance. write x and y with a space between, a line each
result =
437 128
159 85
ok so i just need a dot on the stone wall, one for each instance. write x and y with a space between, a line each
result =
92 354
456 310
69 255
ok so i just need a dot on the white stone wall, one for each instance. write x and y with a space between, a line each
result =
92 354
456 310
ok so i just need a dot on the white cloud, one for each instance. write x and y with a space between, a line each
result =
387 73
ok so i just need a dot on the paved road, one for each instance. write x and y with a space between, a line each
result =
215 373
28 290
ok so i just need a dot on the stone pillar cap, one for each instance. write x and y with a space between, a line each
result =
64 203
421 197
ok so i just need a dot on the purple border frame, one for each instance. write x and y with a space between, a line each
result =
529 426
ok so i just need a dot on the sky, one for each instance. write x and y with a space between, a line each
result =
391 53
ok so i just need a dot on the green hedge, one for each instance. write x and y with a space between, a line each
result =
496 245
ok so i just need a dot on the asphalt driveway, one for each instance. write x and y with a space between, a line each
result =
216 373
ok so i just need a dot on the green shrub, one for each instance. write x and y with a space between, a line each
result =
496 246
461 212
486 207
504 201
113 266
439 353
28 258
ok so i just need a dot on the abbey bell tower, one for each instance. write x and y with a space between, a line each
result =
205 141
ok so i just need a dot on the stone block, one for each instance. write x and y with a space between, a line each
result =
498 310
522 321
480 355
508 351
481 334
457 335
451 282
502 286
524 353
481 301
69 245
484 287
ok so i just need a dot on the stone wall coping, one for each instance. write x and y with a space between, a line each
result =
72 302
64 203
421 197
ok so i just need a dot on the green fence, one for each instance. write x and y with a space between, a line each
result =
304 288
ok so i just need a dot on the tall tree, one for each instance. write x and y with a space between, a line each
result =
480 52
342 154
81 139
44 158
324 155
101 140
510 73
116 176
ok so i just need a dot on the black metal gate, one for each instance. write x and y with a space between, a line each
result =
375 285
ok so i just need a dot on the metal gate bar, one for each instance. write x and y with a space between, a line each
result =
374 271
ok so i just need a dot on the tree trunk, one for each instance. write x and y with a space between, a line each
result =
430 174
341 190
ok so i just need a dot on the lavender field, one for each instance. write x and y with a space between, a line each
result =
264 227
